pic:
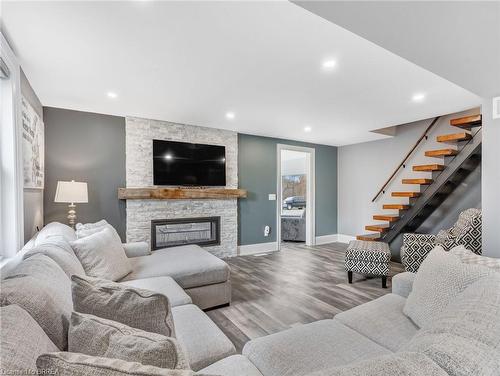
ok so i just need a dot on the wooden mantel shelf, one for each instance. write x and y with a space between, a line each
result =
155 193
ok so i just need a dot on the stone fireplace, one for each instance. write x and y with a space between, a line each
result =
173 232
139 168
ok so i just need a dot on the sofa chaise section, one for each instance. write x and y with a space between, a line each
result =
311 347
204 277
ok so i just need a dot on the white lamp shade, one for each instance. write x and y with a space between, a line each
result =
71 192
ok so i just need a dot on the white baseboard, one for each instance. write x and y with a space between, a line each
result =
341 238
324 239
251 249
334 238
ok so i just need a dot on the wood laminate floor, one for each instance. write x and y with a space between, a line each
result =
295 286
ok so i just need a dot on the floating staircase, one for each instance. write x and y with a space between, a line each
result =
458 162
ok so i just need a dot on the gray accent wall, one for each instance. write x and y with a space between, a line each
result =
32 198
257 172
86 147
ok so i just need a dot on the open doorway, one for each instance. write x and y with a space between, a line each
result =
295 201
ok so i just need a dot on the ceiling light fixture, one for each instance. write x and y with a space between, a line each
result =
307 129
418 97
112 95
230 115
168 157
329 64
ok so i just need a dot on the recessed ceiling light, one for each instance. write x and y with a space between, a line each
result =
168 157
112 94
230 115
307 129
418 97
329 64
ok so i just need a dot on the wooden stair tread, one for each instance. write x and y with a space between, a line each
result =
384 217
418 181
429 167
467 121
377 228
462 136
441 152
405 194
368 237
396 206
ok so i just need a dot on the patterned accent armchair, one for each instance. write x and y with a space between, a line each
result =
466 231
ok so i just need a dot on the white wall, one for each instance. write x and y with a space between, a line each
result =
491 181
363 168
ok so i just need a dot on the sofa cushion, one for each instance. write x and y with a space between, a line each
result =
102 255
22 341
55 228
91 225
189 265
440 278
465 338
41 288
141 309
382 320
92 335
203 342
312 347
59 250
234 365
162 285
75 364
407 364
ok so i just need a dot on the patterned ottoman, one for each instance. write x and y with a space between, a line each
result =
368 258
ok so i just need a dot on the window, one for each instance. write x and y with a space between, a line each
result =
11 193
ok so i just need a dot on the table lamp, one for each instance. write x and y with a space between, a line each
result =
71 192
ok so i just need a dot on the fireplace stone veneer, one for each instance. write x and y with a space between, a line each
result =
139 168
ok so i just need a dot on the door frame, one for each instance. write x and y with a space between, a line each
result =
310 195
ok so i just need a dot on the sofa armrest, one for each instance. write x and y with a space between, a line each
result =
136 249
402 283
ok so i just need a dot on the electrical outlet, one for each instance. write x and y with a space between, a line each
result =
272 196
267 230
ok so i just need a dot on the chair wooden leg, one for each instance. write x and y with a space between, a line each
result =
384 282
349 276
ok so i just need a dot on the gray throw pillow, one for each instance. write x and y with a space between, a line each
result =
102 255
92 228
138 308
92 335
74 364
440 278
59 250
469 257
41 288
465 338
21 342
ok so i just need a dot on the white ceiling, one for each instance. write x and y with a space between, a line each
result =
458 40
191 62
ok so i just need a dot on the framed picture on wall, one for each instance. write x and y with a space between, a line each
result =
33 146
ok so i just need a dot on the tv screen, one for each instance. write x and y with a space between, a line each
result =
182 163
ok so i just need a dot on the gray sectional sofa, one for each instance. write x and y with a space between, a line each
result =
376 338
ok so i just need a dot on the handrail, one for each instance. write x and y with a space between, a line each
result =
424 135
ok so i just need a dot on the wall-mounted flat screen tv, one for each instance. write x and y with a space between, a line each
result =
186 164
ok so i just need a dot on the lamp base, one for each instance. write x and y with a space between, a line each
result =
72 215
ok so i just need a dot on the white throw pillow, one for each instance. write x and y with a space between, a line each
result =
440 278
469 257
86 226
91 228
55 228
102 255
